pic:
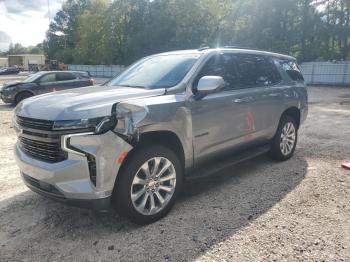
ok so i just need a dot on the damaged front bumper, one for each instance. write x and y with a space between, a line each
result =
7 97
86 178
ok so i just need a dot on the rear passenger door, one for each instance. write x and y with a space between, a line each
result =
261 93
66 80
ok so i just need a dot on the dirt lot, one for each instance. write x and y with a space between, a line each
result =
258 210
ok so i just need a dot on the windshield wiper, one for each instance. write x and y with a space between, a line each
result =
133 86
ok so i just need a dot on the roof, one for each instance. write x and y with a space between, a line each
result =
60 71
233 49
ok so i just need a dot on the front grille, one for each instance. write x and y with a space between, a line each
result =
35 123
38 140
46 151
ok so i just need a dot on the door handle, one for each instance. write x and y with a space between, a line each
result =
243 100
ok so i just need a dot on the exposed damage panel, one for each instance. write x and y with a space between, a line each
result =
106 149
129 116
137 117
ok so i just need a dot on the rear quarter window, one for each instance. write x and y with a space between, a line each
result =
292 69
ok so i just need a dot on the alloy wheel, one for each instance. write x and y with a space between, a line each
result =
153 186
288 137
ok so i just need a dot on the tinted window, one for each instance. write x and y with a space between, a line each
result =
220 65
84 74
292 69
48 78
255 70
64 76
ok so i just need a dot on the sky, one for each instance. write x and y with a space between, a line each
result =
25 21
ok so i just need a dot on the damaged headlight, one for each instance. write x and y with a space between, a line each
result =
129 117
97 125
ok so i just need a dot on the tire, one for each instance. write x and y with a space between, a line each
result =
134 190
21 96
285 140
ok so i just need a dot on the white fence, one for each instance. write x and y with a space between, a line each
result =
98 70
326 73
315 73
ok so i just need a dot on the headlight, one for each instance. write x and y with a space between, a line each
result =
98 125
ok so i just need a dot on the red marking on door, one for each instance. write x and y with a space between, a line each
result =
250 126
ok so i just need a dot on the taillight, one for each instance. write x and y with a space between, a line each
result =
91 81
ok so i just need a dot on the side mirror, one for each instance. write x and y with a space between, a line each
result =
210 84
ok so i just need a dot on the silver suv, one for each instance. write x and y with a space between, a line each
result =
131 142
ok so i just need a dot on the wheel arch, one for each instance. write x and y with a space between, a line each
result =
293 112
23 92
165 138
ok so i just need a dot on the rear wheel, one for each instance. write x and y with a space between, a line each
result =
284 143
148 184
21 96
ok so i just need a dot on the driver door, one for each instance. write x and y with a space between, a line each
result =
47 83
216 122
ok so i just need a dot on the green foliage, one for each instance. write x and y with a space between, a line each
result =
121 31
16 49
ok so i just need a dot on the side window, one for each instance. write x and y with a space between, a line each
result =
256 70
48 78
292 69
220 65
64 76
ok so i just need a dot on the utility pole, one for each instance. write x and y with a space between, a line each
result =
48 11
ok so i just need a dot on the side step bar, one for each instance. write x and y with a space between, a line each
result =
227 161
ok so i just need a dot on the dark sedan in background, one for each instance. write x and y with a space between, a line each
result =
44 82
9 71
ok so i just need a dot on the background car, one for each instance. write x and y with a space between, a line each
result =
9 71
44 82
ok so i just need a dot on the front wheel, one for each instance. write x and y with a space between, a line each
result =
148 185
284 143
21 96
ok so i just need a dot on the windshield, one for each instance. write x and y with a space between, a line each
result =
162 71
32 77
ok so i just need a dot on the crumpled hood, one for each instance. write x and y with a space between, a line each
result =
13 83
80 103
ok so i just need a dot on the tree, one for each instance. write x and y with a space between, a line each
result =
121 31
62 31
17 48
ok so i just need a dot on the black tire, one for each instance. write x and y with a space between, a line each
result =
276 151
21 96
121 198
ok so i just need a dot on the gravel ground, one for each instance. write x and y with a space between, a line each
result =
257 211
